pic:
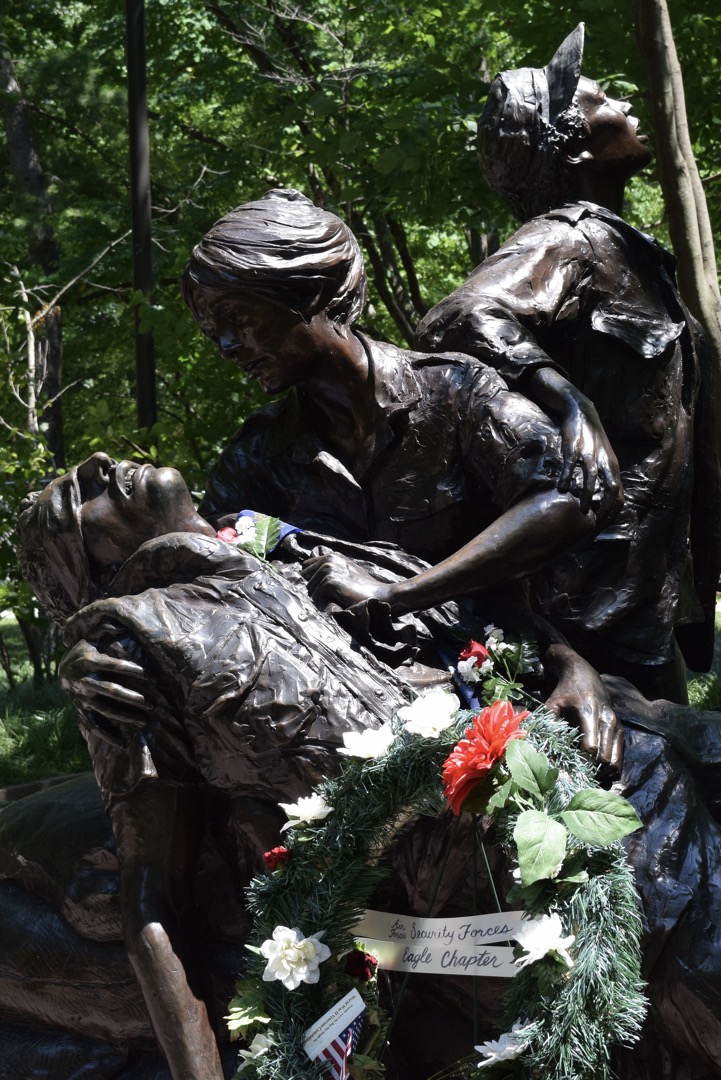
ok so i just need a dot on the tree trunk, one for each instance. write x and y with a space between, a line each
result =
6 665
689 223
30 179
139 138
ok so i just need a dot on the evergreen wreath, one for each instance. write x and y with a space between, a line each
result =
576 995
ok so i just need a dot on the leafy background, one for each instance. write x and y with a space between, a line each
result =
369 107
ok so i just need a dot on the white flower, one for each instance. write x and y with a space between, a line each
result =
431 713
468 670
493 634
293 959
501 646
245 528
471 671
509 1046
311 808
372 743
538 937
260 1045
502 1049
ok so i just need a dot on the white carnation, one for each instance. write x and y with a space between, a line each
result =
370 744
260 1045
293 959
431 713
311 808
538 937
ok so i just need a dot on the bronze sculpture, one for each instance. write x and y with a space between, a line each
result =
579 305
371 444
196 667
169 717
201 669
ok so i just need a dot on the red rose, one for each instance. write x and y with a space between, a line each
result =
276 857
228 534
483 744
476 650
360 965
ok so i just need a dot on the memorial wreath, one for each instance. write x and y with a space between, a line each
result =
578 989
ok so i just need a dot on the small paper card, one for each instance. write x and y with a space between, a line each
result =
323 1032
441 946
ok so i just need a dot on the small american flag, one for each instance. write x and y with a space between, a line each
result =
337 1053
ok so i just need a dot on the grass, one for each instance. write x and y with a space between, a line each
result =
39 734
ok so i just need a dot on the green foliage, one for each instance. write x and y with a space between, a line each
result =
529 769
545 848
246 1010
371 108
704 691
266 536
541 844
39 734
600 817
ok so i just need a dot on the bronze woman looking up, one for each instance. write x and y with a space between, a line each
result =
579 306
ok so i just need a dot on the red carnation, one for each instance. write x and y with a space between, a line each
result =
475 650
276 857
483 744
360 965
228 534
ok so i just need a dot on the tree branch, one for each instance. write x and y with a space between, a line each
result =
74 130
380 280
401 241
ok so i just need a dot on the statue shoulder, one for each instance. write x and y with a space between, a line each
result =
278 419
238 476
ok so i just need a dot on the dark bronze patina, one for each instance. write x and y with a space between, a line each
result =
210 685
579 307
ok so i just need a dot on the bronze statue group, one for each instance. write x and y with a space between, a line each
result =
546 460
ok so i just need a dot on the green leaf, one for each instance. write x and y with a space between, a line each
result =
267 534
527 898
247 1009
362 1066
500 797
389 160
600 817
573 871
541 844
477 801
322 104
530 769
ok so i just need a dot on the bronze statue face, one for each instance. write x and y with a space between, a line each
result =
267 341
613 144
124 504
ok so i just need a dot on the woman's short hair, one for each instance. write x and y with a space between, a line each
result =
284 249
52 551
